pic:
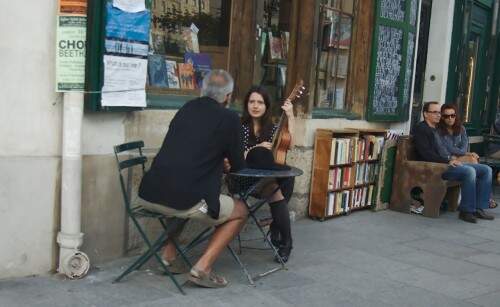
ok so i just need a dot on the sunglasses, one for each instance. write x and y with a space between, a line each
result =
446 116
434 112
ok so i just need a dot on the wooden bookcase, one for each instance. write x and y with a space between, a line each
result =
345 171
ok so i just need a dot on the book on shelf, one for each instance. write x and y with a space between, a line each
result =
172 76
202 64
157 70
186 76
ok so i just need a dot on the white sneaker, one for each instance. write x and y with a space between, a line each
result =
417 209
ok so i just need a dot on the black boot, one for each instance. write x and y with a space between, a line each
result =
274 235
281 218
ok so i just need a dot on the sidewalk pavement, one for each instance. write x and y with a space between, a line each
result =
364 259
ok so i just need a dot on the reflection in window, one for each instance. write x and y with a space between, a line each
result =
472 48
188 39
334 53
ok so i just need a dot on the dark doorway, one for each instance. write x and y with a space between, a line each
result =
423 39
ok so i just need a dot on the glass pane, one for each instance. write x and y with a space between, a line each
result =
413 12
409 69
188 38
333 62
472 48
348 6
387 72
393 9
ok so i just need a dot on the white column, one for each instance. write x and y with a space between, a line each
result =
72 262
438 50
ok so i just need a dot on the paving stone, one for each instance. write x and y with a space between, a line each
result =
488 300
489 259
364 259
443 248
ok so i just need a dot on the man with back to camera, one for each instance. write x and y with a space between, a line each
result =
184 181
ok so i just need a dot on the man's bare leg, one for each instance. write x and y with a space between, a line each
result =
222 236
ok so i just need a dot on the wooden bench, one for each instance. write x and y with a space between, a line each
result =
410 173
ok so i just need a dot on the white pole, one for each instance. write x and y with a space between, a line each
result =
72 262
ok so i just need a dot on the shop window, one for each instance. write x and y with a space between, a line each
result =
188 38
332 68
177 41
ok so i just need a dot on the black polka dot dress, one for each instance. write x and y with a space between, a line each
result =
250 140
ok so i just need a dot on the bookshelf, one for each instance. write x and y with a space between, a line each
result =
345 171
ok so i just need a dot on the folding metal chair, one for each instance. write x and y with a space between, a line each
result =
134 211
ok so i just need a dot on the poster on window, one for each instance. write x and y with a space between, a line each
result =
70 53
124 81
127 26
73 7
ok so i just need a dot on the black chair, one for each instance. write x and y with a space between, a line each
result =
133 160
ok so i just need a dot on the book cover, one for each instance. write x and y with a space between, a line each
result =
190 39
332 151
172 77
275 47
337 33
157 71
186 76
202 64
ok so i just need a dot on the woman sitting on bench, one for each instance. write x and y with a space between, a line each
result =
454 138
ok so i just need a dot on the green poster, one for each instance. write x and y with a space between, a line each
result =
70 53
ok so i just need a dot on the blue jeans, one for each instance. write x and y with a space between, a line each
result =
475 185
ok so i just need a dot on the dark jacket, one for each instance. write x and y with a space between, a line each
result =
189 165
428 145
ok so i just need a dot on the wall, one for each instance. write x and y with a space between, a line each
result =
30 130
438 50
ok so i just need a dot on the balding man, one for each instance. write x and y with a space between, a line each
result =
185 177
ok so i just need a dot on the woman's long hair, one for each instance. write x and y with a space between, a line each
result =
266 121
457 126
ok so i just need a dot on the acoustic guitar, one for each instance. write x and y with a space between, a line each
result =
282 138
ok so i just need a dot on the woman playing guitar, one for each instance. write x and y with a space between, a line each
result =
258 129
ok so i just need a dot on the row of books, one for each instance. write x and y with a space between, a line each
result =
166 73
344 201
349 176
355 149
366 173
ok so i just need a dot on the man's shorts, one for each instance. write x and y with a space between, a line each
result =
198 212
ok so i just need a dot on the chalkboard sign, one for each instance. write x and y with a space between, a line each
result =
392 60
392 9
387 71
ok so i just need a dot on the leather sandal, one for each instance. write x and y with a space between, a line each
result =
210 280
176 266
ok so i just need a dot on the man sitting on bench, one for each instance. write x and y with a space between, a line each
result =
475 179
185 177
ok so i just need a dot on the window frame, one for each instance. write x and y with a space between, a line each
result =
402 110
